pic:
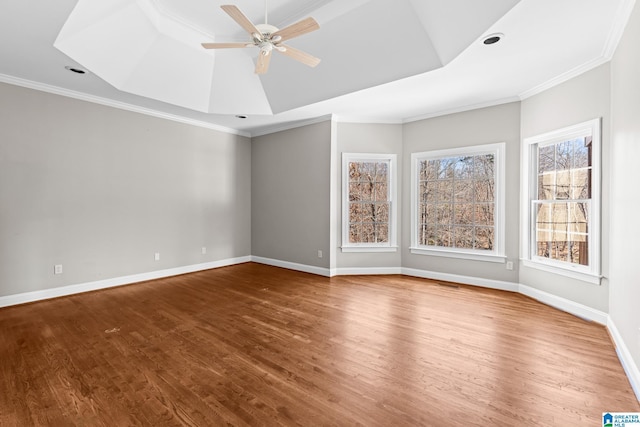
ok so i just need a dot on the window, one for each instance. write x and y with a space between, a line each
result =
368 206
458 203
561 201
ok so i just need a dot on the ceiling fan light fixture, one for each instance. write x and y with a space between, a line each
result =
266 48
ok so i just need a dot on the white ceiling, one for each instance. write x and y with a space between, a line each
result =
382 60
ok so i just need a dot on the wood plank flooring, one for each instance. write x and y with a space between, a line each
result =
258 345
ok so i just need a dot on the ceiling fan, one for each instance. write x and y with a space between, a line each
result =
268 38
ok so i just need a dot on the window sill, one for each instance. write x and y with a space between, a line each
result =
578 275
369 248
461 255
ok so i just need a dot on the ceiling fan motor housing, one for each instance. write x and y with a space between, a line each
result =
265 42
266 29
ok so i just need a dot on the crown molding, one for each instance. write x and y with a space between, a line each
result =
617 29
43 87
564 77
268 130
365 120
615 35
462 109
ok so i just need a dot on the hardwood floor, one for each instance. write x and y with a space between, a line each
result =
258 345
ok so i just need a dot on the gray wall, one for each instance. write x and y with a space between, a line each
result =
100 190
583 98
625 178
366 138
477 127
290 195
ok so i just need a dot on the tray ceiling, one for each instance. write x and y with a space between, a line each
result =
152 49
382 60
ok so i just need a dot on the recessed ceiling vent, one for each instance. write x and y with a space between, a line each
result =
76 70
493 38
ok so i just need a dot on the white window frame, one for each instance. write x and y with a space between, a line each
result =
496 255
529 182
391 245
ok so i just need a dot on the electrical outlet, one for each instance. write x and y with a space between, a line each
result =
157 256
57 269
509 265
319 254
204 250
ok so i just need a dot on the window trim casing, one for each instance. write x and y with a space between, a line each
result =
497 255
528 168
392 245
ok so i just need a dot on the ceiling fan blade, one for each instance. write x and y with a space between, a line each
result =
301 56
264 59
240 18
299 28
225 45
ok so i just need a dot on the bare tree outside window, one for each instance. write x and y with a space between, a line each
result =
369 202
456 202
563 201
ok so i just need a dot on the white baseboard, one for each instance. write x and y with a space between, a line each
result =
320 271
628 364
465 280
363 271
566 305
116 281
